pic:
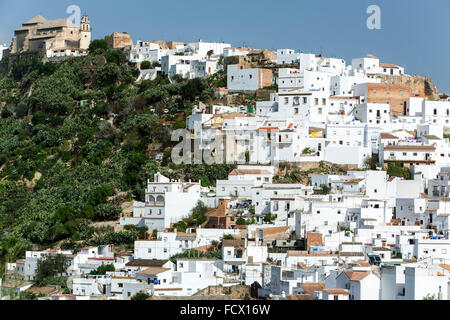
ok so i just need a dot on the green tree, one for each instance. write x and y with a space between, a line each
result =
98 46
395 169
50 267
146 65
269 217
101 271
371 162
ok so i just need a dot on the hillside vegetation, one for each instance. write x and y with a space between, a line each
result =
65 165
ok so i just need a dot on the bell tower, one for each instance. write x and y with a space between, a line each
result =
85 32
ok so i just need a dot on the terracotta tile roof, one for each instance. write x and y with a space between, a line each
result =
153 270
385 135
356 275
233 243
336 291
409 147
388 65
186 235
313 286
362 263
267 232
445 266
237 172
303 266
231 115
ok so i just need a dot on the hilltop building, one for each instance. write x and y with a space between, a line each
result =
52 37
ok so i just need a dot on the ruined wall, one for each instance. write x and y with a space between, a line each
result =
419 85
119 40
235 292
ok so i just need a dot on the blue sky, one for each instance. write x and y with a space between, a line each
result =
414 34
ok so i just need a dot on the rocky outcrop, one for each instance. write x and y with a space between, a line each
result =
419 85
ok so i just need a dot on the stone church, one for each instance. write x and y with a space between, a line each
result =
40 34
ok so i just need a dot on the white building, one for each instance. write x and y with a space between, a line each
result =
166 202
2 48
287 56
251 79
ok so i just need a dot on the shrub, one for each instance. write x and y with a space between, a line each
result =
101 271
146 65
140 296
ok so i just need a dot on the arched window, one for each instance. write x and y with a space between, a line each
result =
160 200
151 199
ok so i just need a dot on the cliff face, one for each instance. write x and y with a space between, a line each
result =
419 85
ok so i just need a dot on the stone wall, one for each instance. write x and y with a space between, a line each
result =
119 40
419 85
235 292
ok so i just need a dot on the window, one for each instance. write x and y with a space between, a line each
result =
120 285
149 250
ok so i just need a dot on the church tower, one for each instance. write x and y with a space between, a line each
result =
85 32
